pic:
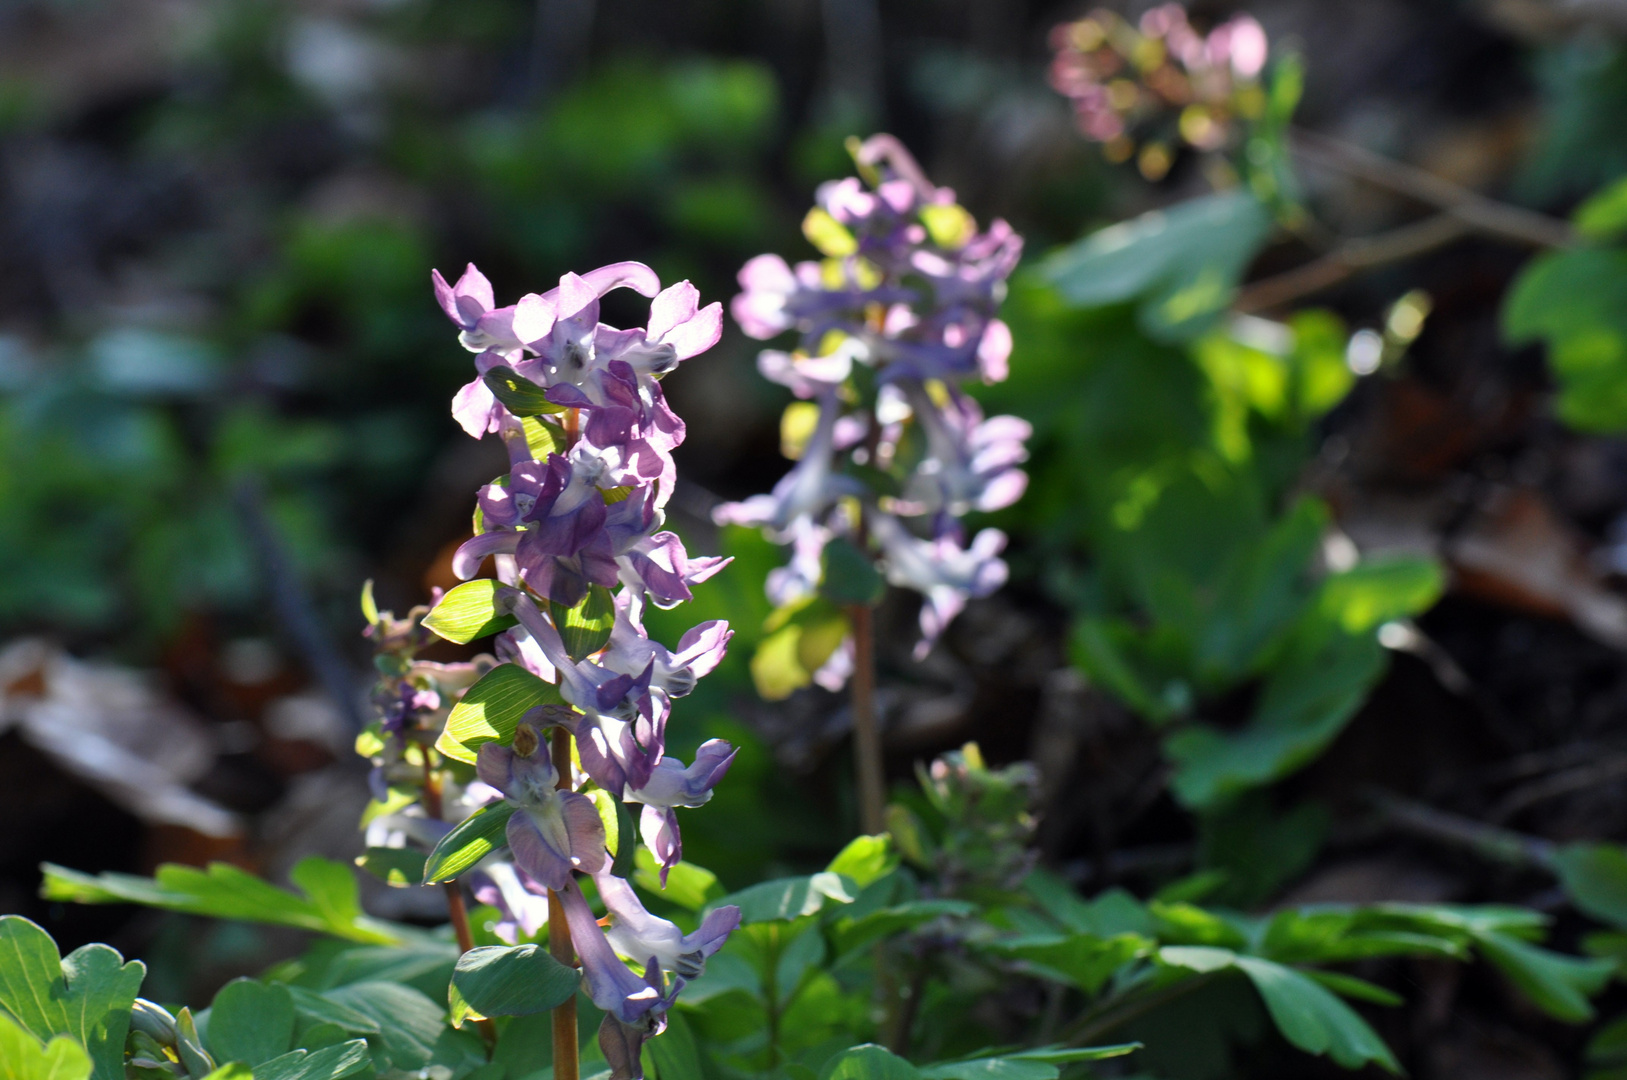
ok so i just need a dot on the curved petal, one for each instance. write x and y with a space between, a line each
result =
466 561
541 849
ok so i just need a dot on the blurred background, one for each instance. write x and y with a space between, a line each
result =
224 387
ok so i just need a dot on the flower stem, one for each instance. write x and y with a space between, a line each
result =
866 735
567 1064
456 910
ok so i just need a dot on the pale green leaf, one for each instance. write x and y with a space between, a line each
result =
475 837
86 996
24 1057
330 1063
491 709
468 612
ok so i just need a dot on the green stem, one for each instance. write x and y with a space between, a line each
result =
866 734
1103 1018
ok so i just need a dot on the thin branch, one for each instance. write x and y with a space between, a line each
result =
292 602
1470 207
1554 785
1350 257
566 1035
866 733
1454 830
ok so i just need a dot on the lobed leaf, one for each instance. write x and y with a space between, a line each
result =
86 995
250 1022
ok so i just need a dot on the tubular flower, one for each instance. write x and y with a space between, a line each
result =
574 530
910 289
553 832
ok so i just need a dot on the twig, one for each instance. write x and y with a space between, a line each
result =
1470 207
1454 830
1349 257
1561 783
292 603
456 910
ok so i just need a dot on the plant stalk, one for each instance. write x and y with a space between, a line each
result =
457 911
567 1063
866 734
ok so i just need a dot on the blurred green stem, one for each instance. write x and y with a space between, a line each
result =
866 735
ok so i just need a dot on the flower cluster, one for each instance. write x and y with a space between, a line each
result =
1159 82
574 532
890 451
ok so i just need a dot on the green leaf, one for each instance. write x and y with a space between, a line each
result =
1183 263
519 395
399 867
827 234
1303 706
1378 591
791 898
24 1057
409 1023
850 577
86 996
801 636
866 859
605 803
1576 301
232 1070
689 886
320 1010
330 1063
469 612
1039 1064
868 1062
850 934
225 892
1307 1014
1313 1019
475 837
1595 877
250 1022
585 628
1351 987
1081 960
1558 985
542 437
517 981
491 709
1603 215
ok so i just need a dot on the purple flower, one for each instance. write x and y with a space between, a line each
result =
806 491
552 832
971 463
521 903
635 1008
941 570
670 786
634 932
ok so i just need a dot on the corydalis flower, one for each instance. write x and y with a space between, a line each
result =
670 786
552 832
634 932
1158 81
910 288
635 1007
